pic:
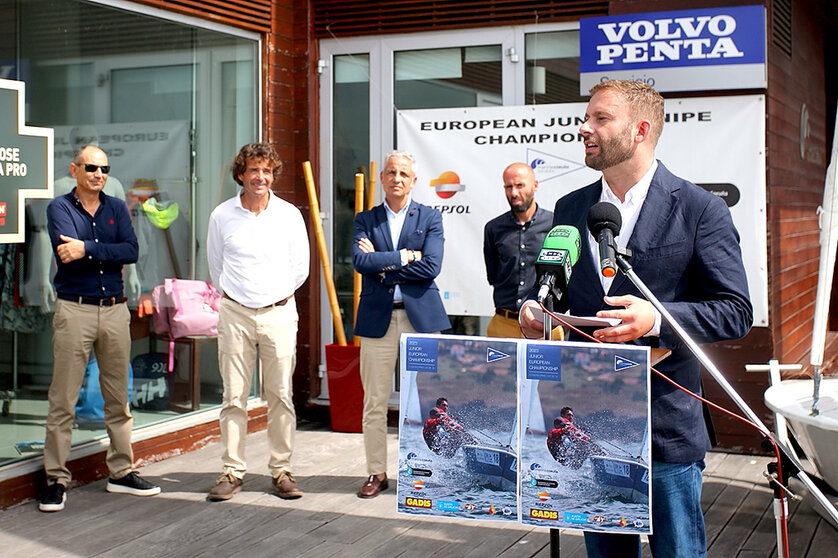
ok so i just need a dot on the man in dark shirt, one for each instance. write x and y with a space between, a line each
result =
511 242
92 238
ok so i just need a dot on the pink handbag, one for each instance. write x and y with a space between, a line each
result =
185 307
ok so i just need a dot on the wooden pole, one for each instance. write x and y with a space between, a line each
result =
324 255
356 277
371 191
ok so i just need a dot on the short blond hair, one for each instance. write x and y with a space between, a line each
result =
644 102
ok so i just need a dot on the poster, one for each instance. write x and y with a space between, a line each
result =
594 473
482 433
469 466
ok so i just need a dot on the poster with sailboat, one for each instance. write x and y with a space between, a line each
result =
584 452
458 451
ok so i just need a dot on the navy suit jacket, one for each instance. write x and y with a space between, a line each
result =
686 250
382 270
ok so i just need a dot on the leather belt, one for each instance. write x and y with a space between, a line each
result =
398 305
510 314
92 300
282 302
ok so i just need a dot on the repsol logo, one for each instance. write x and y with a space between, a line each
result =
417 502
453 209
544 514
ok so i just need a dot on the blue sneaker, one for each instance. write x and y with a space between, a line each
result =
132 484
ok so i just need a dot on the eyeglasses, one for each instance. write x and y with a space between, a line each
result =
92 168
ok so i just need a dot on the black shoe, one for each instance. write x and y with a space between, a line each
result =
133 484
54 498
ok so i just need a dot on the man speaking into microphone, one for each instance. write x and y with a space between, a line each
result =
686 250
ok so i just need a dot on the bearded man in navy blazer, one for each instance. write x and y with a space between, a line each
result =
686 250
397 248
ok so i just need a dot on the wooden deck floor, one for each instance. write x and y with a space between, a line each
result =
331 521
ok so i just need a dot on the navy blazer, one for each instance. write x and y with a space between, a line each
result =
382 270
686 250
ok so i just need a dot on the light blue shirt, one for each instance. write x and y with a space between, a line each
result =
396 222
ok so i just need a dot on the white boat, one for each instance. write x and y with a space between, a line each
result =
626 477
816 434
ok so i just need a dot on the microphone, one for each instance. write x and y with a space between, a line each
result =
604 222
558 254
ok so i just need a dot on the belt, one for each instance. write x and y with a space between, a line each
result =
398 305
92 300
277 303
510 314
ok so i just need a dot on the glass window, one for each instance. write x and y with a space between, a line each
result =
351 132
170 104
552 71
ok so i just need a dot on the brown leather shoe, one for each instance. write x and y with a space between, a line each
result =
286 487
226 486
373 486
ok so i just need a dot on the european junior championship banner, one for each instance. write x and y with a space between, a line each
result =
462 152
551 434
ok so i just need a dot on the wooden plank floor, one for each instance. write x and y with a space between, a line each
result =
331 521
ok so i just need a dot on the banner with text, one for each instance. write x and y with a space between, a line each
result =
718 143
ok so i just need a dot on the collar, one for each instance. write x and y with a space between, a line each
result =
636 194
402 210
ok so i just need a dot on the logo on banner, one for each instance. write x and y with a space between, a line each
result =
547 166
493 354
447 184
621 363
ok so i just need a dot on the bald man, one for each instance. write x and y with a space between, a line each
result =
511 242
92 239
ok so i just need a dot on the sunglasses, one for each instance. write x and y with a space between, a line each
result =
92 168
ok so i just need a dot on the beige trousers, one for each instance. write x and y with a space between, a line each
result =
77 328
241 331
378 364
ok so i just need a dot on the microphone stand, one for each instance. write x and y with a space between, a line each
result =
791 465
547 322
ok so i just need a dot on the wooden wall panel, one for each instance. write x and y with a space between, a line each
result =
334 18
254 15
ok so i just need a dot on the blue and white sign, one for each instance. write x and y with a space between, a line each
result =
686 50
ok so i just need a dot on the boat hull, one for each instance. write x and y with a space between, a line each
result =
627 478
817 435
492 465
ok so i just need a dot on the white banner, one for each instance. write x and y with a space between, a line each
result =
716 142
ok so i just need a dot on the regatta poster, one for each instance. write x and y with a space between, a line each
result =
551 434
458 427
584 424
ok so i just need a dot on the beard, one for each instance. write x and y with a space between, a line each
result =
612 151
524 207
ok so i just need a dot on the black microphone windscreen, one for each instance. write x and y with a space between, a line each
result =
604 215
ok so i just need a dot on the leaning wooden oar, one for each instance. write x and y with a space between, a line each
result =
324 255
356 277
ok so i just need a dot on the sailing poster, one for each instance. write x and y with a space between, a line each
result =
458 450
584 415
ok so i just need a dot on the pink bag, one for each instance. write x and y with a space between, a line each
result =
184 307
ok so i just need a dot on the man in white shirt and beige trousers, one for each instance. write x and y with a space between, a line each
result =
258 255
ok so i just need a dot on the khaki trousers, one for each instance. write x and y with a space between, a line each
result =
501 326
378 364
241 331
77 328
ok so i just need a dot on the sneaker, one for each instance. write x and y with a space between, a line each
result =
286 487
133 484
54 498
226 486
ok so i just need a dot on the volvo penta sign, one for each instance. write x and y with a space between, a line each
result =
25 161
687 50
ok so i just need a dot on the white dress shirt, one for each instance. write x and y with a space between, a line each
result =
396 222
257 260
629 212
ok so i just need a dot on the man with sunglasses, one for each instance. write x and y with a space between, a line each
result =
92 239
